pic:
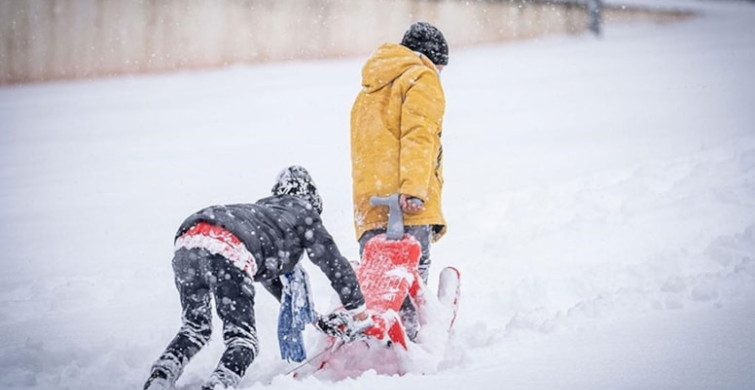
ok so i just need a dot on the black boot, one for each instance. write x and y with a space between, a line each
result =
158 380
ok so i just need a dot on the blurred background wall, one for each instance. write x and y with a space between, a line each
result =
44 40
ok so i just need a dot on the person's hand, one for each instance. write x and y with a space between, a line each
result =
348 325
410 204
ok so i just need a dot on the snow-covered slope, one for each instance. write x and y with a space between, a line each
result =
600 195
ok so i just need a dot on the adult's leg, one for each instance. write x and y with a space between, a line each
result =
234 299
196 313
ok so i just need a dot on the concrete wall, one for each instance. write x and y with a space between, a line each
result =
61 39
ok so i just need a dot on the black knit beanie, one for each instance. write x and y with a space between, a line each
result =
296 181
428 40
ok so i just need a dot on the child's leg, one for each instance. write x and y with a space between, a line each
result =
196 313
234 299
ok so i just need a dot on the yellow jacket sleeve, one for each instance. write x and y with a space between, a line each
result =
421 117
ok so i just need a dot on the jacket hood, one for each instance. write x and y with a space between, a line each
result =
389 61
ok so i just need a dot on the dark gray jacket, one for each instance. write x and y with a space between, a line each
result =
277 230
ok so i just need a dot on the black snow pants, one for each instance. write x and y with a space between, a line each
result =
199 275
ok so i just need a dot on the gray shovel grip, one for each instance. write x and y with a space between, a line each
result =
395 230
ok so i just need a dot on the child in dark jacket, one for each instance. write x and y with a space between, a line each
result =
221 250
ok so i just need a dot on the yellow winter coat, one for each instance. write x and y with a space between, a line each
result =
395 137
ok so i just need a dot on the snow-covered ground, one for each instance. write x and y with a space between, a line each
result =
600 195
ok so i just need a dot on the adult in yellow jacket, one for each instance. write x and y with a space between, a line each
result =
396 125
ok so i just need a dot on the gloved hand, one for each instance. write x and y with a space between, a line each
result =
347 325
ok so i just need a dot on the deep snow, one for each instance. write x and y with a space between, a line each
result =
600 195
